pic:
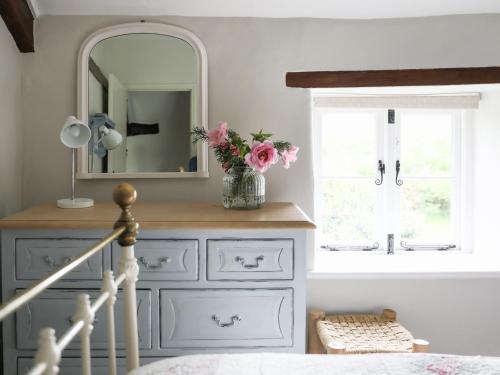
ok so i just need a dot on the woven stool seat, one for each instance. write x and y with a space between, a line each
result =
357 334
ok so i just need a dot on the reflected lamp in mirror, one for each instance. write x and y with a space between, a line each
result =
74 134
110 138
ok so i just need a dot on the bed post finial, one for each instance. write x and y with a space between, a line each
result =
125 196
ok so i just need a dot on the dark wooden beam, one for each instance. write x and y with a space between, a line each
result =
97 73
19 20
405 77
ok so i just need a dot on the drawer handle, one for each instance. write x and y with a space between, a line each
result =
148 265
52 263
234 319
259 259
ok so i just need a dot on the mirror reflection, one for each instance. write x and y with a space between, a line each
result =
142 90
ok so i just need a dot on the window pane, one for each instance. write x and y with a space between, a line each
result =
425 211
348 211
348 144
426 144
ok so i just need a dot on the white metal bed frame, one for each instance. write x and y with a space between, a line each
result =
50 348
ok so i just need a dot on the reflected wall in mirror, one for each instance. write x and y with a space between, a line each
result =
145 86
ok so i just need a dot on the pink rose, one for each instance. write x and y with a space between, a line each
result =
218 136
262 156
288 156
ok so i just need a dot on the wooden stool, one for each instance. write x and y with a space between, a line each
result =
359 334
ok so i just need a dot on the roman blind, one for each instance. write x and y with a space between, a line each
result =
462 101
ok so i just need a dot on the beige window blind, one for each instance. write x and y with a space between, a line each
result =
465 101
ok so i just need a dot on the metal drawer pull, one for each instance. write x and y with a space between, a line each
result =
161 261
259 259
52 263
234 319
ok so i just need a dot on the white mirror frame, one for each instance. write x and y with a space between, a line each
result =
201 113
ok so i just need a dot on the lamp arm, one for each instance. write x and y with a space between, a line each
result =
73 174
103 130
99 140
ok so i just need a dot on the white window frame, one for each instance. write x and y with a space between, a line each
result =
461 210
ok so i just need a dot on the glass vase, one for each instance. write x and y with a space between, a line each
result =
243 188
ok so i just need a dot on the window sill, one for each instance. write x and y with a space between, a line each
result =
437 265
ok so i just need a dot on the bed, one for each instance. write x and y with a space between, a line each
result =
297 364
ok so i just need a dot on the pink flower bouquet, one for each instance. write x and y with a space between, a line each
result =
243 186
232 151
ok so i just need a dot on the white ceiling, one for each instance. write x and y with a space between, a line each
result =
361 9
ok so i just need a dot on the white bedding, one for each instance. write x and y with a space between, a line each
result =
299 364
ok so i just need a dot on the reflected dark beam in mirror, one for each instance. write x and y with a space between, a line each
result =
143 86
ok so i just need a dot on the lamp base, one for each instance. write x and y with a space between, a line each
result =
75 203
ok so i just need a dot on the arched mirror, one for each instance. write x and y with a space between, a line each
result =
142 88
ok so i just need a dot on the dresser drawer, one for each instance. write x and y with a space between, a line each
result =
164 259
226 318
38 257
250 259
54 308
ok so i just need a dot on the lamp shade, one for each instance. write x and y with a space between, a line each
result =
110 138
75 133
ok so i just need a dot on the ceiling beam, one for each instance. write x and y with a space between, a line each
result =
402 77
19 20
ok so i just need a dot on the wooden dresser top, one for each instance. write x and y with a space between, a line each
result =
161 215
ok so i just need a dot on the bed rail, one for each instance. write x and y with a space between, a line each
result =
48 355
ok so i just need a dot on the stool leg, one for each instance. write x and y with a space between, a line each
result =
420 346
335 347
389 314
314 343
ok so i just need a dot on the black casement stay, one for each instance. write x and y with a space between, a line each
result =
404 246
414 247
372 247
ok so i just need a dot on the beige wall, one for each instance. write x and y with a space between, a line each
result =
486 157
248 59
457 316
10 124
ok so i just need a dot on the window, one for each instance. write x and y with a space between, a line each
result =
389 171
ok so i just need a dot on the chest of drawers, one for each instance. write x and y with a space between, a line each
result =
210 281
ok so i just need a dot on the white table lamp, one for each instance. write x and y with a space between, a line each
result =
74 134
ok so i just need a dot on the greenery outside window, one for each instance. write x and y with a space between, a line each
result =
381 171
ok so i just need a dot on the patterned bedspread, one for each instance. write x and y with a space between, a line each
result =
297 364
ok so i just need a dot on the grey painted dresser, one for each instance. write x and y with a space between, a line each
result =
211 280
